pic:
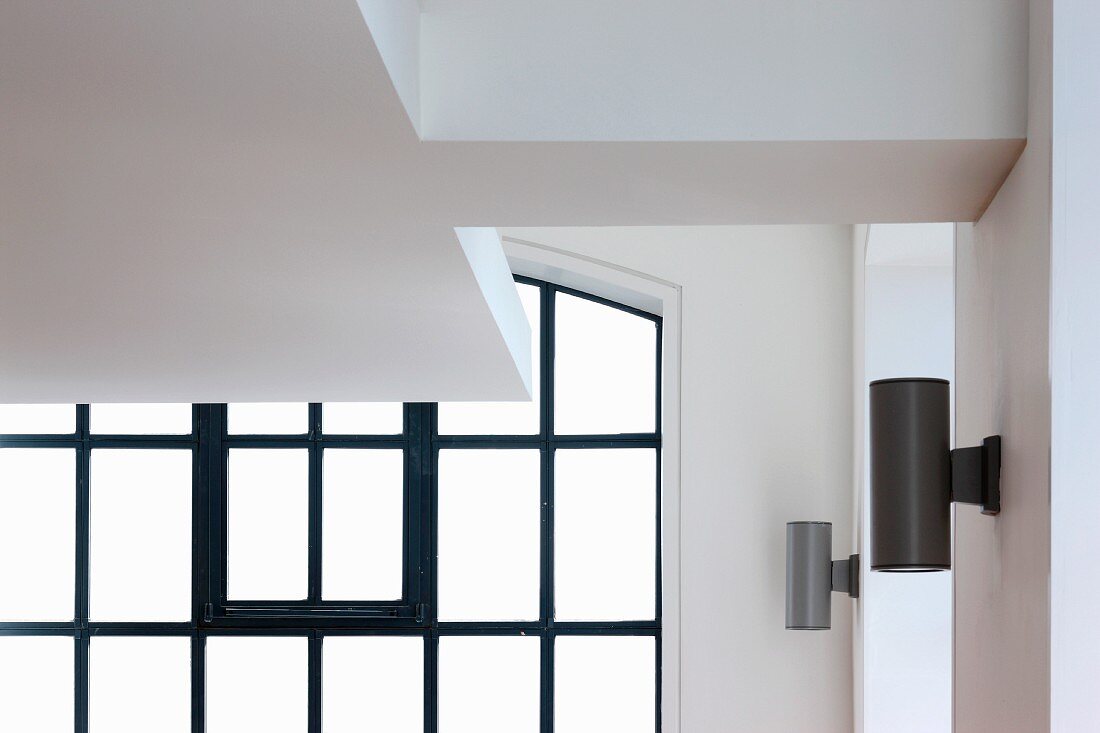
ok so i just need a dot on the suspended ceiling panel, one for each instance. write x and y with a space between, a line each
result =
209 201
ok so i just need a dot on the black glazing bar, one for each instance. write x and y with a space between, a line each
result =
431 682
218 496
418 551
548 348
81 641
83 460
80 682
198 683
315 666
429 484
80 697
200 539
315 506
546 682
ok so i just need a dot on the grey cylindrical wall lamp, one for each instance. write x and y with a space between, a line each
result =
915 475
812 575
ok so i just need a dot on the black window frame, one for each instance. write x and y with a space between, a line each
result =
314 619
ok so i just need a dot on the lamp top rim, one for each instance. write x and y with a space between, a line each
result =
891 380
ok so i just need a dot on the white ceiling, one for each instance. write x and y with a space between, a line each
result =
232 199
213 200
722 70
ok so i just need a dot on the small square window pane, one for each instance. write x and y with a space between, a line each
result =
605 534
502 418
37 419
36 684
489 520
373 683
267 551
256 684
169 418
362 418
489 684
605 363
363 524
604 683
268 418
139 534
37 534
139 684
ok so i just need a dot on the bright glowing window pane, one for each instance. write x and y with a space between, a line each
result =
604 683
268 418
37 419
362 418
605 363
139 684
605 534
362 516
36 684
489 684
489 534
139 532
256 684
37 534
267 553
170 418
373 683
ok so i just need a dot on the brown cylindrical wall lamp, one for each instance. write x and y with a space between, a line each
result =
915 475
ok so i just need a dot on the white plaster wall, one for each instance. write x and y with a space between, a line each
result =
1002 565
1075 371
766 429
909 324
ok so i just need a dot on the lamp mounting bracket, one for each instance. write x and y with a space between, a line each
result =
846 576
976 475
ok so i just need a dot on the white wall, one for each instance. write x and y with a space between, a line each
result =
1075 371
1002 564
766 426
909 324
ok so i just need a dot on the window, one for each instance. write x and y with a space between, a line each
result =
328 568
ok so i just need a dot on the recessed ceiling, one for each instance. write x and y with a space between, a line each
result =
258 199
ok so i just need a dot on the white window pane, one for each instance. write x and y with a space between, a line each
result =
604 683
36 684
268 418
501 418
37 419
489 684
139 534
605 363
37 534
605 534
256 684
373 683
362 418
139 684
169 418
489 503
363 524
267 553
